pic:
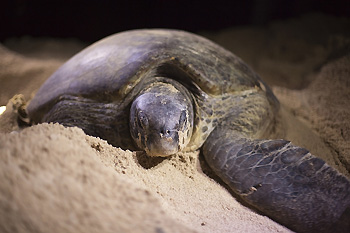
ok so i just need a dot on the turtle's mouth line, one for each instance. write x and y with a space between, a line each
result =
153 150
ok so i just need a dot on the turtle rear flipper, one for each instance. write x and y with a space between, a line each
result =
283 181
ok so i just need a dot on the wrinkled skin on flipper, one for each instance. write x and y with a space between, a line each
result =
283 181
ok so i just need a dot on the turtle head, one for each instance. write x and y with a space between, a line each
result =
161 120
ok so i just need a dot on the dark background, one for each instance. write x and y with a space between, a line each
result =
90 20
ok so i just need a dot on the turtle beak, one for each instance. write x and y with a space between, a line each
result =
163 144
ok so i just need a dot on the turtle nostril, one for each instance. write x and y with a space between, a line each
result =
165 132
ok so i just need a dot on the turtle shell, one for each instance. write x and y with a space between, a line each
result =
109 69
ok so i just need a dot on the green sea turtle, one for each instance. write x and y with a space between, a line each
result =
165 91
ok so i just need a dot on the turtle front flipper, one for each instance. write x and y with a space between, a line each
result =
283 181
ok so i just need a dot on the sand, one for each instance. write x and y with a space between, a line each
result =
57 179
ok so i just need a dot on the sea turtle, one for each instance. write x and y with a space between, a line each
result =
165 91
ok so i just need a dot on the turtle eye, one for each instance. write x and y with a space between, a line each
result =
183 120
142 120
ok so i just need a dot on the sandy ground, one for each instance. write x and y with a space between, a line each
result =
56 179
